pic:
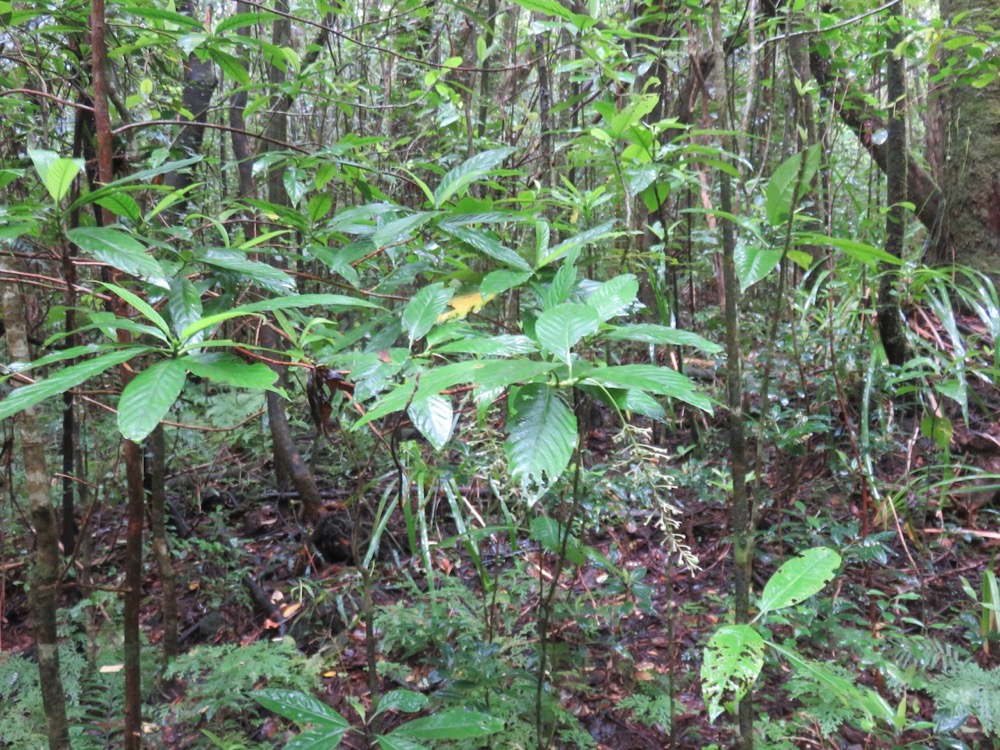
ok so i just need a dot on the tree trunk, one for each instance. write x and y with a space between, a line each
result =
45 572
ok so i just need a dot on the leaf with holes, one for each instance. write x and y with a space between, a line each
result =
733 659
542 435
798 579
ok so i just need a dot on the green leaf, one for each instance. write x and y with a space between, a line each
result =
627 400
391 742
549 8
561 286
422 311
659 380
496 282
406 701
317 739
434 417
798 579
858 250
784 186
939 429
319 206
329 301
450 724
458 179
301 708
623 121
401 229
559 329
121 203
143 307
549 533
501 374
26 396
733 659
148 398
183 303
223 367
614 296
273 279
754 263
56 173
649 333
542 435
117 249
836 687
231 67
600 232
504 345
489 246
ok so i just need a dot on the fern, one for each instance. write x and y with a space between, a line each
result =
653 711
970 689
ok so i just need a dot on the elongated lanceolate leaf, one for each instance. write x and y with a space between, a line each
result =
560 328
650 333
789 183
148 398
119 250
659 380
392 742
450 724
542 435
475 168
144 308
434 417
223 367
268 277
29 395
335 301
183 304
421 312
733 659
301 708
488 245
798 579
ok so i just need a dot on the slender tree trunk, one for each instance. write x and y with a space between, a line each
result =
132 452
890 323
286 455
160 543
741 517
45 571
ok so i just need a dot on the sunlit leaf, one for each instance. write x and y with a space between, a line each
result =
798 579
733 659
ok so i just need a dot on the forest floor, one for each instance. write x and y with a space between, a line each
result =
606 649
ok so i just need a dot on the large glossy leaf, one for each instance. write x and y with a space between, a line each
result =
542 435
659 380
317 739
552 536
593 234
753 264
503 345
119 250
472 169
733 659
148 398
422 311
57 173
392 742
434 417
301 708
650 333
29 395
496 282
450 724
270 278
798 579
223 367
856 249
614 296
559 329
183 303
786 185
501 374
406 701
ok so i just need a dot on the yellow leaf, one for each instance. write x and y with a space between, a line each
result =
464 304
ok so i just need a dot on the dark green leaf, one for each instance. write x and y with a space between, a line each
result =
301 708
119 250
450 724
223 367
560 328
148 398
614 296
659 380
542 435
475 168
649 333
434 417
422 311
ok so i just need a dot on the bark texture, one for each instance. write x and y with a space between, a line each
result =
45 572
